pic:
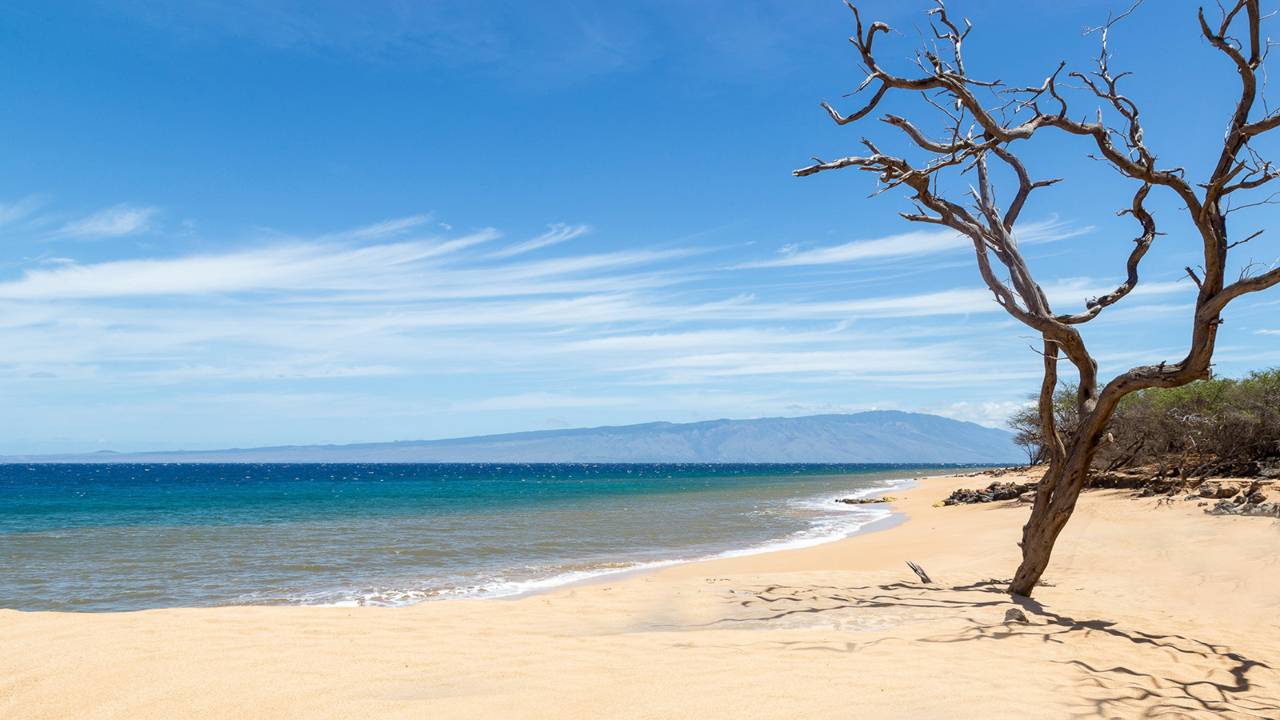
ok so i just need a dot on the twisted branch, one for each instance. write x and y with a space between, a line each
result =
975 132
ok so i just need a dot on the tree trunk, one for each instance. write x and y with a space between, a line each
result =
1055 501
995 246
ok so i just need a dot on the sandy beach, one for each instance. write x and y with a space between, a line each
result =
1152 609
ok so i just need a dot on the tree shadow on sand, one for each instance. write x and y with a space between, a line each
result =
1174 675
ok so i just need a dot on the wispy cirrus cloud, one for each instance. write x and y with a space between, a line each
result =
545 400
401 271
554 235
408 311
381 230
11 212
989 413
274 372
684 341
297 266
116 221
916 243
850 360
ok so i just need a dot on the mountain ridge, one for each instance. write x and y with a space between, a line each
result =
889 436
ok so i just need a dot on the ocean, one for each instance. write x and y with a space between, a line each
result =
128 537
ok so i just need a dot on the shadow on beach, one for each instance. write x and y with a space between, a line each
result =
1115 670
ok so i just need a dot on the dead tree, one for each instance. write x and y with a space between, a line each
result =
983 124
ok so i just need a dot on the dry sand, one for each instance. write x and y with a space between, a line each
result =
1153 610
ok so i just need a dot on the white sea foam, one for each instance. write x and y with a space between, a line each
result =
844 521
836 521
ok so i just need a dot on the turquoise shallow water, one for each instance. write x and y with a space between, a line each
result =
126 537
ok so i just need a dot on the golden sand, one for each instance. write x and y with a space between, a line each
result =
1153 609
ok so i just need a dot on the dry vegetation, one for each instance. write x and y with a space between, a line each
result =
1220 426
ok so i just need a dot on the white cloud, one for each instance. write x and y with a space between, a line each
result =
994 414
313 266
1266 332
640 333
541 401
919 363
961 301
920 242
382 230
1089 287
401 271
115 221
301 370
965 301
686 341
19 209
554 235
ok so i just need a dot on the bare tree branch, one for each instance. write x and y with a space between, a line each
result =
1242 286
974 131
1142 245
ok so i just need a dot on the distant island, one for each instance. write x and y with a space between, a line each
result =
867 437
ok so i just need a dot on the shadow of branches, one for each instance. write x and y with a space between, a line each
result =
1173 675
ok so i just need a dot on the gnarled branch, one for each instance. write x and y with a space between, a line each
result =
974 132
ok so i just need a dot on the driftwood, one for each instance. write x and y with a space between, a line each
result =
983 124
920 573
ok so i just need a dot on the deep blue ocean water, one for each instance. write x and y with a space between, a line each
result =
126 537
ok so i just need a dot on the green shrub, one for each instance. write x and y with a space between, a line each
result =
1194 427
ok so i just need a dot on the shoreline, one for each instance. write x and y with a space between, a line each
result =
888 522
611 543
906 507
551 584
1151 608
586 578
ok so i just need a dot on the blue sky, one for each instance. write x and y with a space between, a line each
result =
233 223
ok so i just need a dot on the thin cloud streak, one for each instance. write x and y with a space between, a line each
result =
596 334
920 242
115 221
540 400
554 235
20 209
381 230
400 271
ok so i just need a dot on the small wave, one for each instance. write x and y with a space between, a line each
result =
492 589
844 521
837 522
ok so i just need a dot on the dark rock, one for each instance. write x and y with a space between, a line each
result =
965 497
1119 480
994 492
864 501
1243 504
1218 490
1225 507
1271 509
1215 490
1015 615
1006 491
